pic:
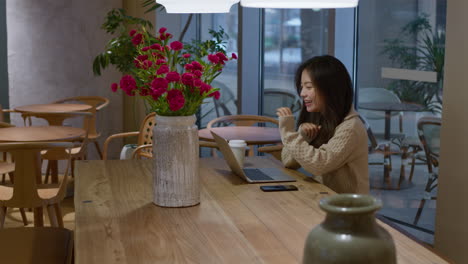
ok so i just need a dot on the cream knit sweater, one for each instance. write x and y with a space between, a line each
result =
342 162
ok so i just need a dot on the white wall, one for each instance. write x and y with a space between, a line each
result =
51 46
451 234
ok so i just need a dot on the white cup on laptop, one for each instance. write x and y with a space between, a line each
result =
238 147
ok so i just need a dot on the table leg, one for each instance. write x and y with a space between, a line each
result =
54 170
38 217
388 119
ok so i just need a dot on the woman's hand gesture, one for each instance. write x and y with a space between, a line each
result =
310 130
283 111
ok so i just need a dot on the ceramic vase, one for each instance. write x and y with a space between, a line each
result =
349 234
176 180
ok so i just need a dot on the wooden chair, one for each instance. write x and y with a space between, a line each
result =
98 103
275 151
31 245
27 192
429 135
242 120
141 151
385 148
6 168
145 137
78 152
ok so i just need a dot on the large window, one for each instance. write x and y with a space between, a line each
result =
227 81
290 37
400 62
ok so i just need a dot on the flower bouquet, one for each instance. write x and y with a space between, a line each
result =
171 81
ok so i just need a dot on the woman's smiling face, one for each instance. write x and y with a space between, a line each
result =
309 94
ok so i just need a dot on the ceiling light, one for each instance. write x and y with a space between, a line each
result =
197 6
299 3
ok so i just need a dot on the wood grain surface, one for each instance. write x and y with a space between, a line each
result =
116 221
53 108
40 133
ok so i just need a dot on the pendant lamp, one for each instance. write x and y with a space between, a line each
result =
299 3
197 6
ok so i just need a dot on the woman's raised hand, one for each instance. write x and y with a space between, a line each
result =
283 111
310 130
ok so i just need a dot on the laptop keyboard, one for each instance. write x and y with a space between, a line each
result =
256 175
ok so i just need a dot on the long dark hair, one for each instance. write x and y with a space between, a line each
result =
334 87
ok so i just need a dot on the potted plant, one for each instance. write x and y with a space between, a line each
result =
427 55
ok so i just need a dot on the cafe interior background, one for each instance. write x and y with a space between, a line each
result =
47 49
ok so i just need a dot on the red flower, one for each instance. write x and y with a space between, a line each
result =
147 64
222 57
187 79
176 99
139 61
145 48
136 40
197 66
159 83
162 30
186 55
114 87
160 62
156 93
204 88
156 46
128 83
176 45
213 58
142 57
216 95
198 73
162 70
188 67
234 56
132 32
197 82
173 76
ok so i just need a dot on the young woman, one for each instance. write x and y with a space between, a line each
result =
331 140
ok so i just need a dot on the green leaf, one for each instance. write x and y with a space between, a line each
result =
96 67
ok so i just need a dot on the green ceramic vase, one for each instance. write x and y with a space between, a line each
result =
349 234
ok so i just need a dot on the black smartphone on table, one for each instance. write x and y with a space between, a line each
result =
278 188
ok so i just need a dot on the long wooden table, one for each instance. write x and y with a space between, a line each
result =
116 221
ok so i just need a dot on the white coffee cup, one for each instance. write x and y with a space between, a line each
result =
238 147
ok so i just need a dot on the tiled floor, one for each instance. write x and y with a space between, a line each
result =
401 205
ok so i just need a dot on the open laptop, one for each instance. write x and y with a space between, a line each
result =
251 175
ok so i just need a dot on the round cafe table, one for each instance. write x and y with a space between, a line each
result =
251 134
41 133
42 111
388 108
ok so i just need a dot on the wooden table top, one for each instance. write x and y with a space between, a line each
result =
251 134
116 221
53 108
391 106
40 133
